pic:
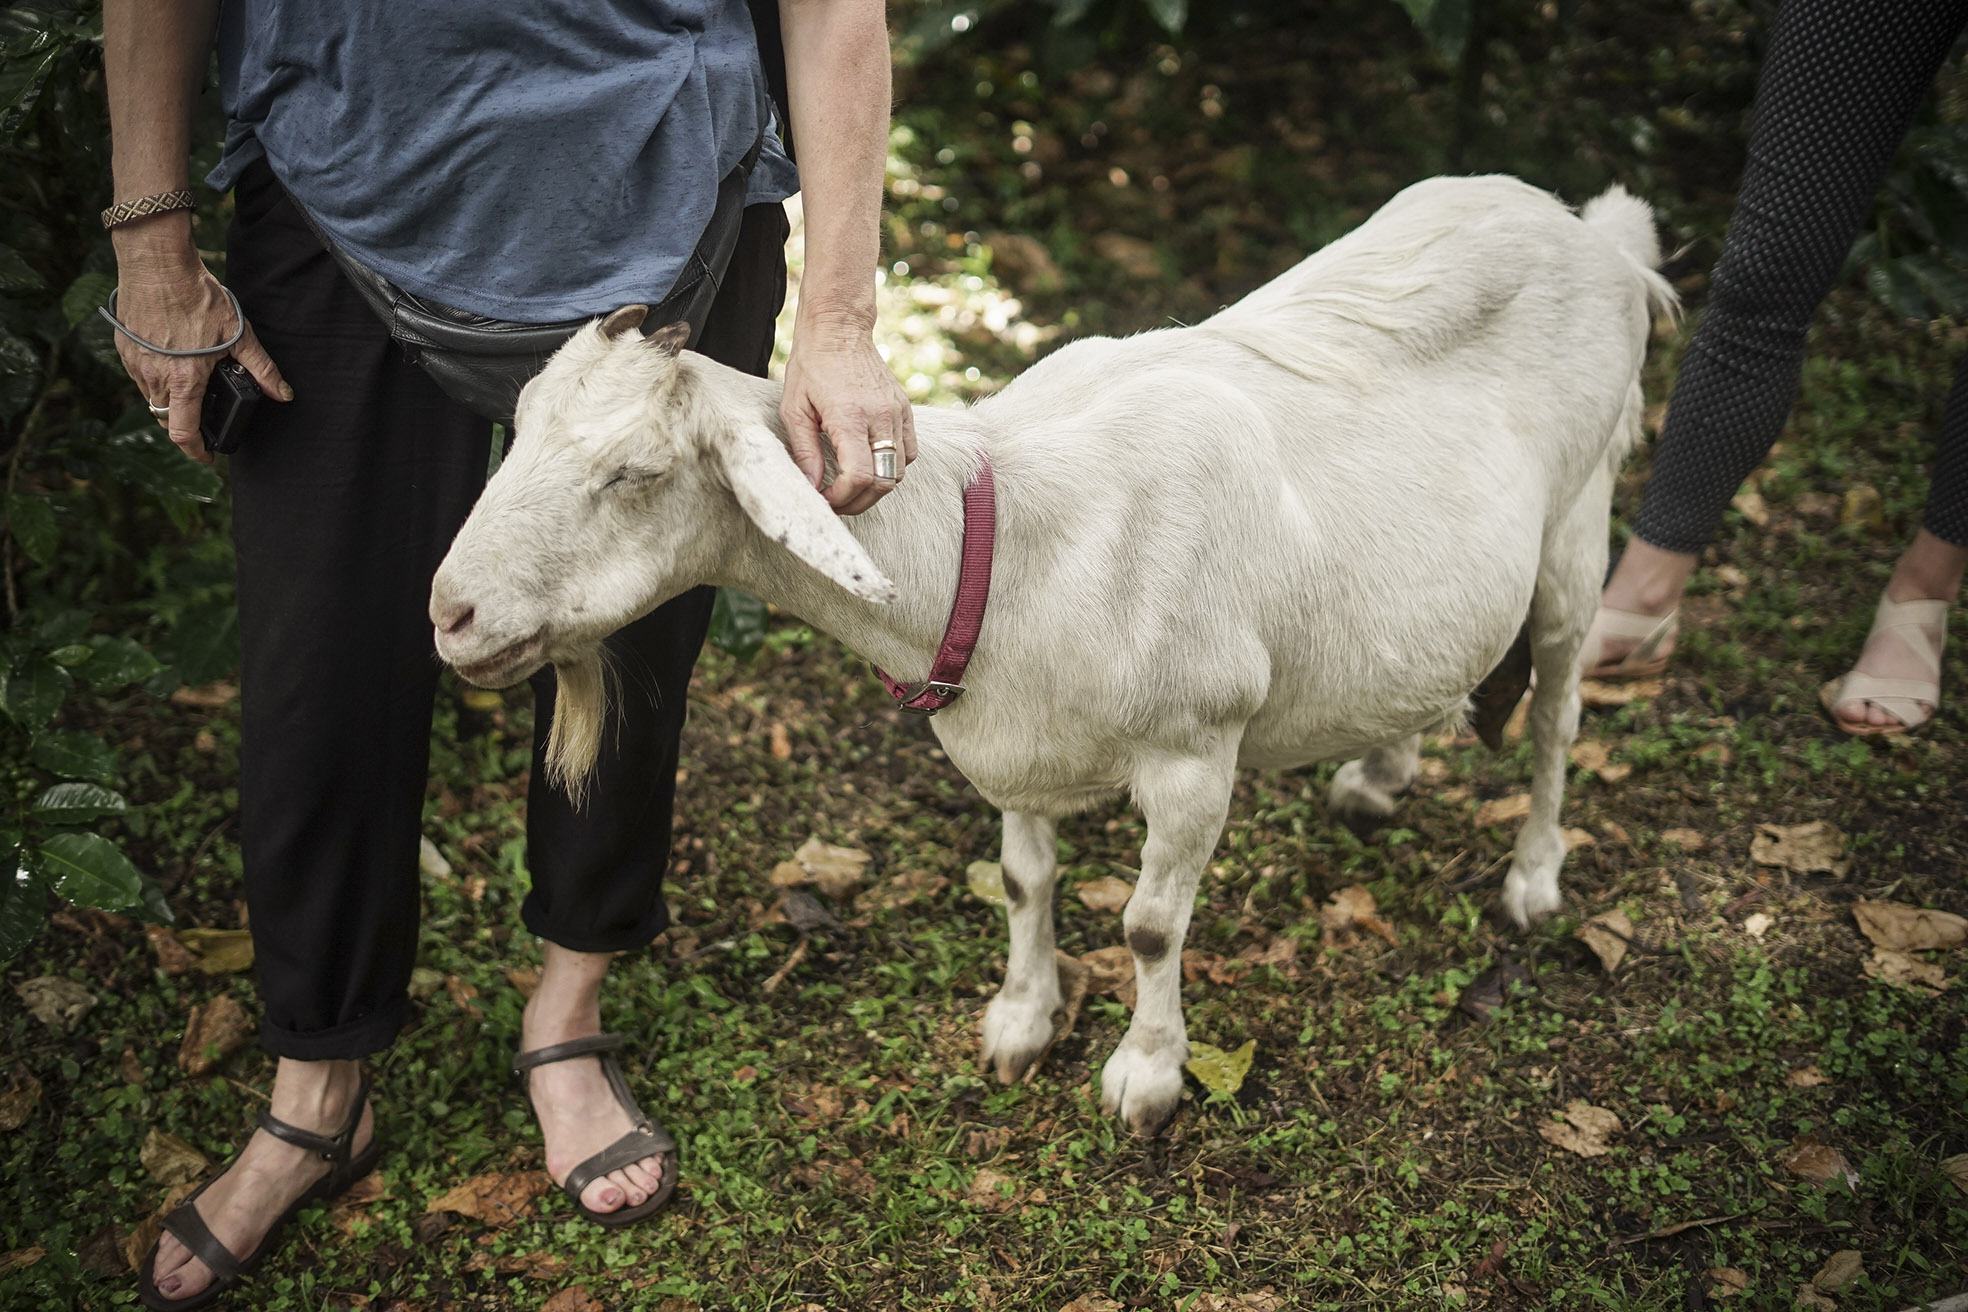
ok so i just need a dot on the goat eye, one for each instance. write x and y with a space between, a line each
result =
629 478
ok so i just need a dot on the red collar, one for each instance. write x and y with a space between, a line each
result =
945 682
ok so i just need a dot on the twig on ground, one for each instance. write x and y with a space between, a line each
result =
779 976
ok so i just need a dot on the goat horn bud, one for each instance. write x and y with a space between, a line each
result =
626 319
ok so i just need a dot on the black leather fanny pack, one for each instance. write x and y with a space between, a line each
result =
483 363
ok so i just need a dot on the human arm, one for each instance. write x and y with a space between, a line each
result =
837 77
154 55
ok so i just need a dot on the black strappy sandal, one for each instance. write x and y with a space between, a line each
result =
645 1139
190 1229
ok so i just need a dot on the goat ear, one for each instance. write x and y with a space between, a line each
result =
776 496
626 319
669 339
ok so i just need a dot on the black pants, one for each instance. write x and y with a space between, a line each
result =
1838 90
344 502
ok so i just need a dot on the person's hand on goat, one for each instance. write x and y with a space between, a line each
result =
169 297
837 383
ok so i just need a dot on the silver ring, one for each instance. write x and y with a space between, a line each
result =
158 411
885 462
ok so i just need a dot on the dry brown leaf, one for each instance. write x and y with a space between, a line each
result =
1351 907
1107 970
58 1003
139 1240
1590 756
1806 1077
1105 893
1502 810
1593 692
219 951
987 1143
995 1191
498 1198
171 1159
900 891
1812 1160
211 697
462 992
1750 505
526 979
837 870
1583 1131
1902 928
1726 1281
847 1177
1577 838
173 957
779 743
1864 507
574 1298
1608 936
1905 970
1615 773
1091 1303
1431 770
1810 1300
1956 1169
130 1068
1264 1300
18 1101
213 1032
1840 1270
430 862
1758 924
21 1257
1692 840
789 874
1816 845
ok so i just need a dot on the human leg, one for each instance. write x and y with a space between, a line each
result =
343 502
598 869
1839 86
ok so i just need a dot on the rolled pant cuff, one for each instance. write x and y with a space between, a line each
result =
640 936
348 1042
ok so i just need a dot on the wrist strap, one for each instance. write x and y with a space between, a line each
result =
109 312
163 202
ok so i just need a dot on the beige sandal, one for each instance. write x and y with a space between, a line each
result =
1649 632
1904 699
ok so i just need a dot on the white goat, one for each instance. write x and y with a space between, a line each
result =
1300 531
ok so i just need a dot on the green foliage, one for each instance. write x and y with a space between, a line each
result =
105 553
1914 255
738 623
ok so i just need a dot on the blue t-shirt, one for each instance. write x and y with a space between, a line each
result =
525 161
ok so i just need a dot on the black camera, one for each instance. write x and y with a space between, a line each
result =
229 401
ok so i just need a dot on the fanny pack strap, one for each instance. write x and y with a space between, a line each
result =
483 362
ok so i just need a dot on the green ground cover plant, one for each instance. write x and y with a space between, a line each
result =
1425 1118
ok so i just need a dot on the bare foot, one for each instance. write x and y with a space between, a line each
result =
270 1174
578 1111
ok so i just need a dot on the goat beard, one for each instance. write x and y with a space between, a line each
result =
574 741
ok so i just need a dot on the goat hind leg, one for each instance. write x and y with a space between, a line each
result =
1561 613
1365 792
1185 801
1019 1023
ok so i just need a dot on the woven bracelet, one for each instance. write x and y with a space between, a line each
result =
143 207
109 312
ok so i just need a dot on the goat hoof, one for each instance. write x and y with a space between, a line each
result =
1361 806
1530 895
1142 1088
1016 1036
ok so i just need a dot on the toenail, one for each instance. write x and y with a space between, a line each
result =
635 1198
169 1284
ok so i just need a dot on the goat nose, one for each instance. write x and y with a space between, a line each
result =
448 614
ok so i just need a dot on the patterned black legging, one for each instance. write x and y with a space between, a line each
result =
1838 90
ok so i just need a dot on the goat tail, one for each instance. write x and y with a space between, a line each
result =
574 740
1628 222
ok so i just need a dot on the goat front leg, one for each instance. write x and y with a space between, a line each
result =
1365 792
1185 802
1019 1023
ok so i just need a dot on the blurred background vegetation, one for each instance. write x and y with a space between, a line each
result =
1059 168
